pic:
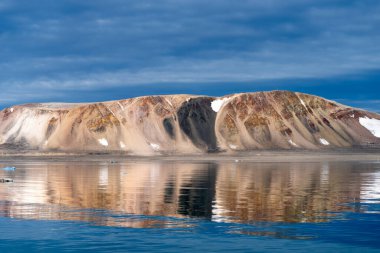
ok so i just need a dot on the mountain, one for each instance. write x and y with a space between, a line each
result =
190 124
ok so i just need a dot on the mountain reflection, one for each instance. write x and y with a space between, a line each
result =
228 192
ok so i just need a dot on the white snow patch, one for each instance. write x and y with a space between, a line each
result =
170 103
292 143
323 141
218 103
155 146
373 125
303 103
122 145
121 106
233 146
111 112
352 116
11 109
103 142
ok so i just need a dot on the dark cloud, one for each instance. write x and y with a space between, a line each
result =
52 49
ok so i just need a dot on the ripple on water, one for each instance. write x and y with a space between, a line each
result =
326 205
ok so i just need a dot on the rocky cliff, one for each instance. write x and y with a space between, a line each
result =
190 124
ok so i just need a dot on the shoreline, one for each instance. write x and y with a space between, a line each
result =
246 156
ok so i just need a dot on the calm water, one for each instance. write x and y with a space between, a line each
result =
183 207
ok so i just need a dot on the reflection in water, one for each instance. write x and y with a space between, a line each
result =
162 194
371 191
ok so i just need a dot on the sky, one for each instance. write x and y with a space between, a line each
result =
93 50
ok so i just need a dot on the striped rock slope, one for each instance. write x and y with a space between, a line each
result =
190 124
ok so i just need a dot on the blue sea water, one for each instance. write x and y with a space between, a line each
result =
187 207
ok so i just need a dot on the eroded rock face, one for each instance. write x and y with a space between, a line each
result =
190 124
197 120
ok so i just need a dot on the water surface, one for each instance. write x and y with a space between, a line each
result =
180 207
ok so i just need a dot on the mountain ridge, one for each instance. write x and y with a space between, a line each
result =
190 124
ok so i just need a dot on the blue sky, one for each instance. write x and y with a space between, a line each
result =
80 51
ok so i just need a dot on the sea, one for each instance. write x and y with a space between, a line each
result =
190 206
